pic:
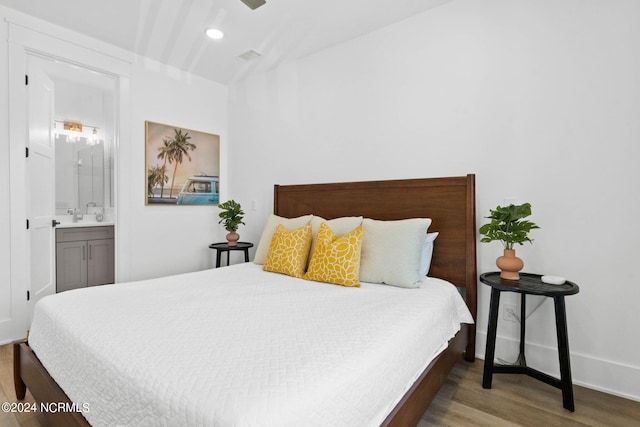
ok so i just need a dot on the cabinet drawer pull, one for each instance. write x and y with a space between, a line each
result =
84 249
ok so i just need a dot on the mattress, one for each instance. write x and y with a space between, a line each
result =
238 346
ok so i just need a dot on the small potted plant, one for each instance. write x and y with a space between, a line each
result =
231 216
509 226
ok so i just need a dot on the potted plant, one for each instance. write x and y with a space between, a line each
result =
231 216
509 226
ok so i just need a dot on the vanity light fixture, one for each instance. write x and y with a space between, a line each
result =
73 127
214 33
74 131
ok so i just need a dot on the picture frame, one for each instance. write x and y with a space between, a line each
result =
182 166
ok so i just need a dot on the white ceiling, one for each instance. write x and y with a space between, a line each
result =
172 31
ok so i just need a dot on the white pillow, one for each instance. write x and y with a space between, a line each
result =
339 226
427 253
270 228
392 251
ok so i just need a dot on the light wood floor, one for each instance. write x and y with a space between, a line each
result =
7 394
519 400
514 400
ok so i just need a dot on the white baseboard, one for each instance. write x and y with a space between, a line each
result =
586 371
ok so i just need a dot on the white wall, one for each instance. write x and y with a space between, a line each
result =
538 98
170 239
5 209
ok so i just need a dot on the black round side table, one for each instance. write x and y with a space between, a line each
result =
224 247
530 284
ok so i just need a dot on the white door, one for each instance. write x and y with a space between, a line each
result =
40 184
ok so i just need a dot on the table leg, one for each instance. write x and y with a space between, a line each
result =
218 255
522 360
246 255
490 351
228 254
563 353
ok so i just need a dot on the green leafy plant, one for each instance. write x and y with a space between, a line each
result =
508 226
231 215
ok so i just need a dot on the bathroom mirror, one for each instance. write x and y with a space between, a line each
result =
84 129
83 174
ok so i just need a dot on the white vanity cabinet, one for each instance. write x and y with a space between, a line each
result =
84 257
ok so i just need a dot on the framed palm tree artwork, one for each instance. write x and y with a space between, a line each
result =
183 166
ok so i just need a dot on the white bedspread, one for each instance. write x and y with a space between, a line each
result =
237 346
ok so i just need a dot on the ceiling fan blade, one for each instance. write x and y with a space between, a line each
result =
253 4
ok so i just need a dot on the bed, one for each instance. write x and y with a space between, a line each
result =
450 202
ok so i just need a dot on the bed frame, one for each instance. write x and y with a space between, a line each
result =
449 202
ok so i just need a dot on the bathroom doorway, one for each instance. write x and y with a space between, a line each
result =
98 75
75 82
70 171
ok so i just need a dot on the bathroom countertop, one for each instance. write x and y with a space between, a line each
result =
82 223
66 221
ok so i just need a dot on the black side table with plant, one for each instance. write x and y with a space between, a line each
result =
226 247
530 284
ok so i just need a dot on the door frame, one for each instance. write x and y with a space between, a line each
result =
23 41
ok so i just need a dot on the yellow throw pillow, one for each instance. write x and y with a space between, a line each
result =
288 251
336 259
270 227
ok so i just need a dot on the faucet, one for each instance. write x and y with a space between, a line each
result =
76 214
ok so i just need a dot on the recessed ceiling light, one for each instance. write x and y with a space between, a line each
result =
214 33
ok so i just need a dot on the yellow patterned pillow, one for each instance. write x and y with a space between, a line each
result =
289 251
336 259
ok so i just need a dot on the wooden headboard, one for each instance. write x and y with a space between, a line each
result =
449 202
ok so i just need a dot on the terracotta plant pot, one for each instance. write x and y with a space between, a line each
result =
232 238
509 264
